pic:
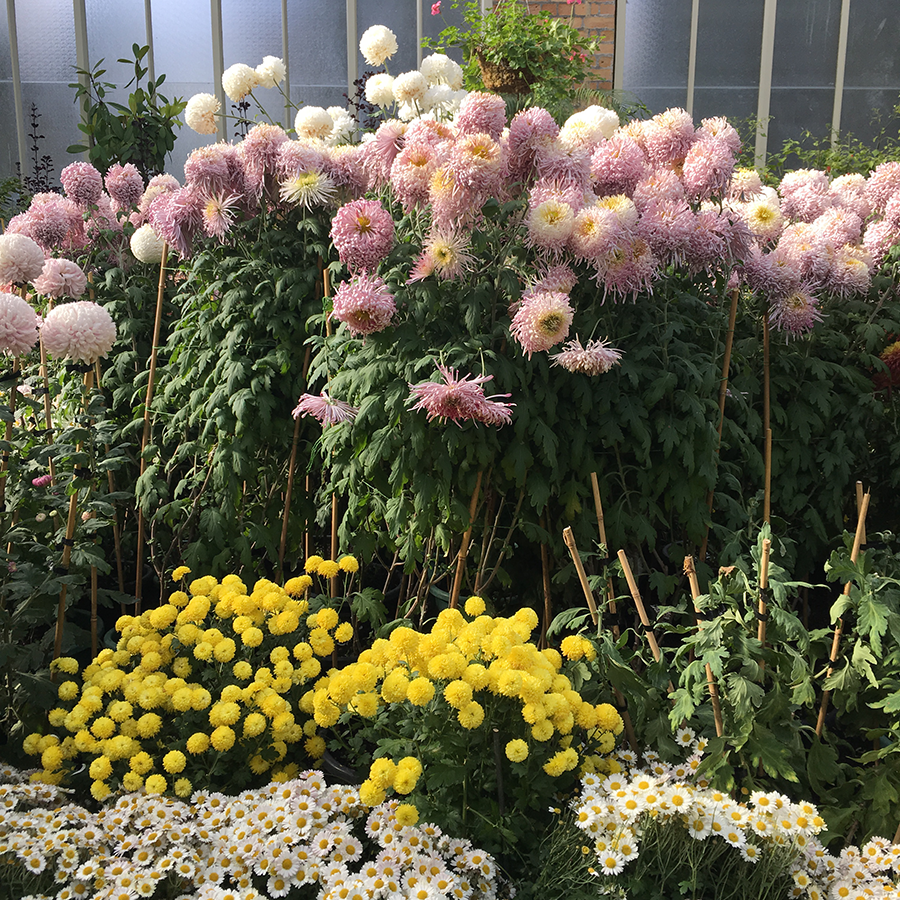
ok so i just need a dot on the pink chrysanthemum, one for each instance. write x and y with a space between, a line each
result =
772 274
208 170
445 256
411 173
618 165
563 190
809 250
660 184
708 243
707 168
296 157
850 272
18 325
796 313
452 206
839 226
259 154
476 163
542 321
83 331
158 184
805 194
745 185
628 268
565 164
83 184
595 231
125 185
668 136
595 359
530 133
344 164
382 150
666 225
878 239
764 219
219 214
720 129
555 278
53 221
61 278
482 112
460 399
849 192
324 408
21 259
363 233
176 217
882 183
364 305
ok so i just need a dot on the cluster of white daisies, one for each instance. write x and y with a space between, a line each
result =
253 846
614 811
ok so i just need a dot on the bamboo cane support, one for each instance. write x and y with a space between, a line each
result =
145 439
723 393
767 422
601 528
762 615
48 417
332 582
4 463
464 547
691 573
839 626
569 539
859 500
67 546
94 637
767 505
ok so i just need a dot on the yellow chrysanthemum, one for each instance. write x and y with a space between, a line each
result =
222 738
183 788
343 633
155 784
458 694
371 795
100 769
141 763
471 715
252 637
299 585
420 691
174 761
312 564
517 750
65 664
328 568
348 564
406 815
180 572
100 790
197 743
474 606
131 781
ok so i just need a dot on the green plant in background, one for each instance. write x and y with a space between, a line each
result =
141 132
512 50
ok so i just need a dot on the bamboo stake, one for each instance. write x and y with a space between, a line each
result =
762 616
332 582
691 573
464 547
601 528
13 393
282 547
723 392
569 539
68 542
767 506
767 422
859 500
545 580
145 439
839 626
48 418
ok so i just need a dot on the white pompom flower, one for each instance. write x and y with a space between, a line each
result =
410 87
377 45
380 90
83 331
200 113
271 71
147 245
238 80
18 325
313 123
21 259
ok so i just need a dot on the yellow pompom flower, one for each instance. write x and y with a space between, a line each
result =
254 724
52 758
222 738
382 772
224 713
65 664
197 743
458 694
155 784
572 647
561 761
366 705
312 564
542 730
57 717
420 691
174 762
103 727
181 667
348 564
297 586
242 670
203 650
201 587
408 771
68 690
608 718
148 725
371 795
343 633
326 618
310 668
100 769
406 815
517 750
224 651
180 572
183 788
321 642
328 568
477 676
163 616
141 763
474 606
131 781
471 715
100 790
315 746
179 599
252 637
395 686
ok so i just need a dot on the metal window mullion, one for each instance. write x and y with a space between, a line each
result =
148 27
419 33
619 46
17 87
218 53
82 55
764 98
352 41
840 72
692 56
285 45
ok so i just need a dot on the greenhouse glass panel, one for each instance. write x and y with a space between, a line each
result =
317 49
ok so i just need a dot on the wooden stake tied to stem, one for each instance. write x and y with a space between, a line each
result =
464 546
762 615
691 573
839 626
601 528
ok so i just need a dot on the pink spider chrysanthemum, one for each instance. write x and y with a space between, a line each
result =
482 112
52 220
476 162
667 225
324 408
660 184
618 165
719 128
796 313
460 399
363 233
595 359
364 305
158 184
207 168
596 229
445 255
628 268
707 168
83 184
177 216
530 132
849 192
259 154
61 278
124 185
850 272
542 321
411 173
882 184
219 214
382 150
668 136
18 325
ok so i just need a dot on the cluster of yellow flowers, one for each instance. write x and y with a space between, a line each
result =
472 667
209 681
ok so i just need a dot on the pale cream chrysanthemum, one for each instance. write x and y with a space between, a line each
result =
21 259
377 44
147 245
622 206
18 325
313 123
380 90
200 113
764 219
440 69
410 87
238 80
82 330
588 126
271 71
343 126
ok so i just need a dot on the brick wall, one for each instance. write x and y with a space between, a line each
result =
594 19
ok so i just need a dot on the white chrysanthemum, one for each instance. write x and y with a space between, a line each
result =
313 123
83 331
438 96
344 125
380 90
764 219
18 325
271 71
147 245
21 259
200 113
622 206
440 69
410 87
238 80
588 126
377 44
